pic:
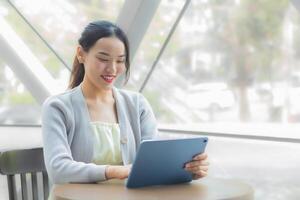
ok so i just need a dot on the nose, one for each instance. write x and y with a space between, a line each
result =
111 67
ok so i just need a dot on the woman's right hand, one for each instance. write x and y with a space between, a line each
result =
117 172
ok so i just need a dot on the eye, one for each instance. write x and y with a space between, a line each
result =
121 61
103 59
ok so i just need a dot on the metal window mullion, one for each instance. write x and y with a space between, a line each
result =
38 34
184 8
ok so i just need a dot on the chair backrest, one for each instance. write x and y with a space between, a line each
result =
24 163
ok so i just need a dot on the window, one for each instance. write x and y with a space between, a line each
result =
15 100
60 23
228 64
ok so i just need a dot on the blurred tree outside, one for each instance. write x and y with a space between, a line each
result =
242 39
253 36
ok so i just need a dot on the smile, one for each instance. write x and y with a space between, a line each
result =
108 78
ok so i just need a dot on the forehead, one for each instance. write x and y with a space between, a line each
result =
110 45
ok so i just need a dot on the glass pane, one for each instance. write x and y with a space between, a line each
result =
230 61
29 47
153 40
15 100
60 23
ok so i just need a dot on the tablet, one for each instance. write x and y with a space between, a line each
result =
161 162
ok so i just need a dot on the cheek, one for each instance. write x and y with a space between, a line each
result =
121 69
93 70
96 66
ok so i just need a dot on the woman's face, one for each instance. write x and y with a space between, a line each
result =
104 62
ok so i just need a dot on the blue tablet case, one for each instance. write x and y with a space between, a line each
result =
161 162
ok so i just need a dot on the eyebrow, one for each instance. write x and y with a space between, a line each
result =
106 54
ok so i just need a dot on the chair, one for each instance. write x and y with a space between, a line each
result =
24 162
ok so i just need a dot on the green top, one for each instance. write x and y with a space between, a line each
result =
107 149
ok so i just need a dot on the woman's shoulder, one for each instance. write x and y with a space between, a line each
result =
132 97
128 95
63 98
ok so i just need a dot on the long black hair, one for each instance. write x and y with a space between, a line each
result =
90 35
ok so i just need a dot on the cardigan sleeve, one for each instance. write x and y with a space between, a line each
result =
58 158
148 121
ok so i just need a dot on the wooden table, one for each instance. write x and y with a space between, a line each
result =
207 188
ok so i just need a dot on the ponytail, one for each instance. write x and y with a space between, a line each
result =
77 74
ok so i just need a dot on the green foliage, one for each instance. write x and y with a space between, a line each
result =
24 98
296 43
259 21
255 28
1 97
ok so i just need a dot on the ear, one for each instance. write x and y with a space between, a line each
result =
80 54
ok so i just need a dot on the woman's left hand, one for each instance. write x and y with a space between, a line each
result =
198 166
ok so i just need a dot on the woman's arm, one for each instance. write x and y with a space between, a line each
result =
59 162
117 172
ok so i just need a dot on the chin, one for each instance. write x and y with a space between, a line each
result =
106 87
102 85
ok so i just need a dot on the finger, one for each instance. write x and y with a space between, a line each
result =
199 167
201 173
197 176
197 163
201 156
196 169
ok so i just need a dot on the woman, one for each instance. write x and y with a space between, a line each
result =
91 132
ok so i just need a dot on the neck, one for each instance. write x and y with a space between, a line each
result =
93 92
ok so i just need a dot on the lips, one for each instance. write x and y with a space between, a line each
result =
108 78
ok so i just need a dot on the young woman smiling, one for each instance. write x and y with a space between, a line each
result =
92 131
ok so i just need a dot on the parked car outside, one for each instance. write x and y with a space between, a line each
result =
210 96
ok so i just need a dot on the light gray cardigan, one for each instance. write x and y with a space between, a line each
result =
68 138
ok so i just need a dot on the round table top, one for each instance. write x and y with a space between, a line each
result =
206 188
